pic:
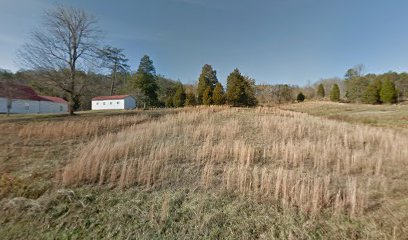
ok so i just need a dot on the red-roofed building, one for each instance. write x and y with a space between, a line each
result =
16 98
54 99
113 102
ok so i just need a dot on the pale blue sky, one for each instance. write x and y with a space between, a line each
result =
273 41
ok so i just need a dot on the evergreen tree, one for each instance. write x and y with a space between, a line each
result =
240 90
372 93
145 81
218 94
207 98
335 93
208 78
179 97
356 84
249 84
115 60
146 66
320 91
300 97
388 92
190 100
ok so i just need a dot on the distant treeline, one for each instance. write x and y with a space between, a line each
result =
149 88
355 87
155 90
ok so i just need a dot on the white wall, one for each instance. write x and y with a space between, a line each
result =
108 104
29 106
53 107
3 105
126 103
20 106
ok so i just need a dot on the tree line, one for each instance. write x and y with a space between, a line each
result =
240 89
63 54
355 87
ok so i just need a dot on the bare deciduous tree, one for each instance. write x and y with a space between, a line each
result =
66 44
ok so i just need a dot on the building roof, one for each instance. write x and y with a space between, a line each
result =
16 91
114 97
54 99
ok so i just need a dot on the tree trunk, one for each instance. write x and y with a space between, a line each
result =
71 104
112 84
113 81
9 102
72 94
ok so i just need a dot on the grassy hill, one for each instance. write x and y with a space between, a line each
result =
390 116
211 173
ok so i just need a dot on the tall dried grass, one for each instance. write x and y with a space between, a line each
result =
79 128
289 158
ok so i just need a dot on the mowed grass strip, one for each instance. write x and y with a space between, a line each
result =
392 116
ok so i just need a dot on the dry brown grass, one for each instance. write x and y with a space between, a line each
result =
79 128
32 149
288 158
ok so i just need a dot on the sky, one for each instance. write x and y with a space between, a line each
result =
272 41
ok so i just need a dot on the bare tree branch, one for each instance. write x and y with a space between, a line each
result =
66 44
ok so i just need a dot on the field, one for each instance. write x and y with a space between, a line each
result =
391 116
207 172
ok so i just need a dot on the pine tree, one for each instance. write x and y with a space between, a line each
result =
179 97
115 60
240 90
190 100
208 78
249 84
300 97
335 93
207 98
372 93
145 81
388 92
218 94
320 91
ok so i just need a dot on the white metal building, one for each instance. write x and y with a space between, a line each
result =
113 102
53 105
23 99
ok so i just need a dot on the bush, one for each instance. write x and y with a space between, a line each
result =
300 97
